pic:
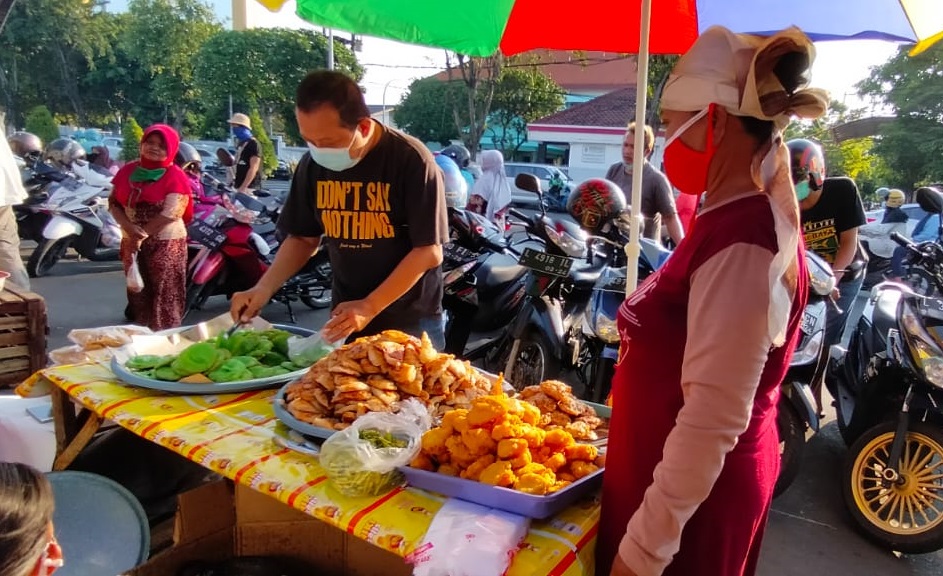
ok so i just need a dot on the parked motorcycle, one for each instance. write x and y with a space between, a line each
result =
79 218
234 256
38 177
797 411
483 285
888 390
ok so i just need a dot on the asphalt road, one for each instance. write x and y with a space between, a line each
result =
809 531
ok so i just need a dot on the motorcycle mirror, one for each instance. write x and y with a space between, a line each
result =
528 182
930 199
224 157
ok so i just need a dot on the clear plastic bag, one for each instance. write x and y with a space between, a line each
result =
310 349
358 466
106 336
466 539
134 280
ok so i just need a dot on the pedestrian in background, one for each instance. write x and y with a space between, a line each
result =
248 167
491 194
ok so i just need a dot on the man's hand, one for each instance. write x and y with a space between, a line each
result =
619 568
347 318
246 305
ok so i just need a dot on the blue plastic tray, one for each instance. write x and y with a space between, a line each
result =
133 379
503 498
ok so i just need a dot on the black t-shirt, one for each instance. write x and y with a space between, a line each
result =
839 209
371 216
246 152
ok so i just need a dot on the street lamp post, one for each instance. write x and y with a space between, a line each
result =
330 49
385 86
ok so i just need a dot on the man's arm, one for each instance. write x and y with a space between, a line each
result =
353 316
254 164
675 231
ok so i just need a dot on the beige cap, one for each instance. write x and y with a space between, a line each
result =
895 198
241 119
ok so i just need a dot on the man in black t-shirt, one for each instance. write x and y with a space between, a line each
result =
376 197
248 155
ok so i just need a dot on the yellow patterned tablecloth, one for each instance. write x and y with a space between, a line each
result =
232 434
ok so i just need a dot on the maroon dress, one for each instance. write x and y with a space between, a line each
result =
705 498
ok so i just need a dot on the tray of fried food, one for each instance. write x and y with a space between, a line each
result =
559 408
373 374
497 454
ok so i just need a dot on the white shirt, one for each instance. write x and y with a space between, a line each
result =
10 179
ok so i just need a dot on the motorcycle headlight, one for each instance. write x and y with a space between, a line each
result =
599 325
571 246
924 349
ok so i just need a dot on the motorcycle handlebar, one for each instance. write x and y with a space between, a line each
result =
905 242
518 214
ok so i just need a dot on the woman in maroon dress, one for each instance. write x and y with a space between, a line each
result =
151 201
693 451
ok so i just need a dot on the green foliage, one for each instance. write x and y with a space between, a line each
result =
164 36
522 95
132 133
913 88
40 122
269 159
423 112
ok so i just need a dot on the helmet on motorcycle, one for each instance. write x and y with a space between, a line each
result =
594 202
458 153
63 152
456 189
188 157
25 144
882 192
808 163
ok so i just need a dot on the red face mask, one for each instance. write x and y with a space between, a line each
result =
685 167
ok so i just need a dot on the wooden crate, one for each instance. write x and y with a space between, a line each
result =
23 331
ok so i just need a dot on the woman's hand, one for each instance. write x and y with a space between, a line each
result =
620 568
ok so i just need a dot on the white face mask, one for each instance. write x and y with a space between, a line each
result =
336 159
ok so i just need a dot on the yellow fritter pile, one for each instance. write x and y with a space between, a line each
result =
499 441
559 408
372 374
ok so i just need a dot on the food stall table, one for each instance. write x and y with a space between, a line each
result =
233 435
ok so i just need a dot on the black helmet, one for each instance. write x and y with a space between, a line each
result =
25 144
64 152
459 153
187 155
808 162
594 202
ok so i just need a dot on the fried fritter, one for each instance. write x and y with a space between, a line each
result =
499 474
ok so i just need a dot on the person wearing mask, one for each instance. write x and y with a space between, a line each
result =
491 194
658 202
152 202
28 544
248 161
693 451
375 197
831 215
13 193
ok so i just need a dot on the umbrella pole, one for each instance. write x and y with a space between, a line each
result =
633 248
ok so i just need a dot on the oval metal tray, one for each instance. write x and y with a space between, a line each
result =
133 379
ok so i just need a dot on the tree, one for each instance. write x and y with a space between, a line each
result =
913 88
422 113
471 106
522 95
40 122
269 159
131 134
262 67
659 67
164 37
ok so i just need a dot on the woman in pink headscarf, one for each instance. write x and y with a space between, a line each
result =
152 203
693 451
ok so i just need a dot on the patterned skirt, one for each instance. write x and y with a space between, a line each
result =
163 266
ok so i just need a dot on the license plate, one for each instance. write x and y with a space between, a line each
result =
808 323
456 253
206 235
546 263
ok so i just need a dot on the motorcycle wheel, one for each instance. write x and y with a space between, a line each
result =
320 297
791 445
45 256
535 362
905 515
104 255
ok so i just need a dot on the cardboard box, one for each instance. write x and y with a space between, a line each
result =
217 521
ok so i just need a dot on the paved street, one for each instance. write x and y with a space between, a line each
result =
809 532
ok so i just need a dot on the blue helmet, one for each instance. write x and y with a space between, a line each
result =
456 188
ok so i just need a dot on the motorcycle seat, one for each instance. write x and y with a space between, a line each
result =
498 270
263 229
